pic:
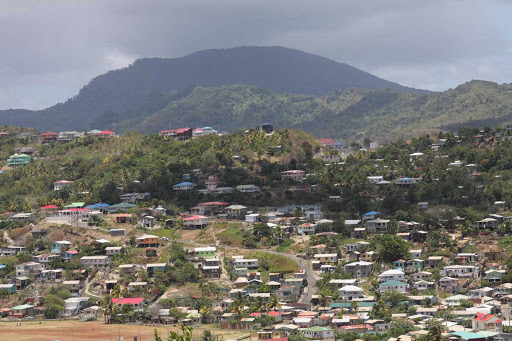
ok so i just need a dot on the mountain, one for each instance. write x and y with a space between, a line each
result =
352 113
148 85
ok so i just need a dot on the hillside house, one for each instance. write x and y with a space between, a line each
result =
114 250
349 292
236 211
449 284
212 182
332 144
58 185
424 285
195 222
487 223
377 225
132 198
205 252
152 268
95 261
251 264
183 186
296 175
48 137
136 302
306 229
397 286
180 134
327 258
392 275
313 212
247 188
359 269
147 240
59 246
28 269
487 322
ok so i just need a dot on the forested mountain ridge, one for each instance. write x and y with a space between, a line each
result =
124 93
350 114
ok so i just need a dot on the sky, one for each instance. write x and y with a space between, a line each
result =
50 49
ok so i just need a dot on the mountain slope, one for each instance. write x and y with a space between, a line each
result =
119 94
351 113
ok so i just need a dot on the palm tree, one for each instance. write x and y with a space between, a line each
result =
435 331
108 309
273 303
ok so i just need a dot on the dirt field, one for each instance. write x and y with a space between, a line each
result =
93 331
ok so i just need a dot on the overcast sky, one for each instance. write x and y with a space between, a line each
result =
49 49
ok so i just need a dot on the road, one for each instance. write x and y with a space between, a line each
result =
310 290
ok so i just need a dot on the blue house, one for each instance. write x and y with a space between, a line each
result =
370 215
8 288
399 264
183 186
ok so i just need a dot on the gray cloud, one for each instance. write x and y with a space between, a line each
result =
52 48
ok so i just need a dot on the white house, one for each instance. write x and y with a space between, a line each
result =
95 260
247 188
392 275
58 185
349 292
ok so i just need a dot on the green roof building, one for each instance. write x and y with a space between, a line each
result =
18 160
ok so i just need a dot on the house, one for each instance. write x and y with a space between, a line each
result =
375 179
434 261
45 259
147 240
424 285
349 292
247 188
246 263
22 282
29 268
455 300
313 212
306 229
416 253
426 311
423 205
320 248
399 264
252 218
267 127
59 246
421 276
222 190
114 250
397 286
133 197
332 144
236 211
180 134
327 258
211 270
487 223
195 222
461 270
481 292
368 256
487 322
377 225
58 185
48 137
68 255
152 268
319 333
137 286
449 284
205 252
8 288
503 289
68 136
148 221
97 261
494 276
212 182
51 274
296 175
404 182
414 264
74 286
73 305
183 186
392 275
128 268
359 269
136 302
104 134
23 217
22 310
466 258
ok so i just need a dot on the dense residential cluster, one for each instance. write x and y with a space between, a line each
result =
271 233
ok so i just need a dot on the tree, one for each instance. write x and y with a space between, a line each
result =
400 327
394 299
273 303
435 330
108 309
184 334
390 247
297 336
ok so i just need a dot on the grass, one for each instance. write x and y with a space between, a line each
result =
168 233
231 236
274 263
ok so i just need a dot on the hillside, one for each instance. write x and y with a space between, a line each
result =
351 113
149 84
